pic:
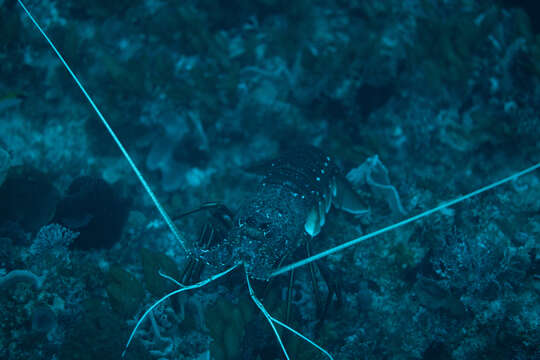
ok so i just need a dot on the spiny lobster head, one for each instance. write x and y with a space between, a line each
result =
257 240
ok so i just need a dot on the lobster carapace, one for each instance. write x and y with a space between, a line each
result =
296 191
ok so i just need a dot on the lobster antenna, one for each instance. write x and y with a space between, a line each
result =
172 293
273 320
156 202
301 336
403 222
266 315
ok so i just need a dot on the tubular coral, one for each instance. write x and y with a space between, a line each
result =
16 276
373 173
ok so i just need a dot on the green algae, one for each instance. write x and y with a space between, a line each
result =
153 263
227 323
99 334
125 292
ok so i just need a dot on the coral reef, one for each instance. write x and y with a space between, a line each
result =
445 94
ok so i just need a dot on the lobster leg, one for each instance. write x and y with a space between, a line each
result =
334 288
194 268
204 206
314 282
289 296
209 236
271 280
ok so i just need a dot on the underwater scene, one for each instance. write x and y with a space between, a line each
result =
269 179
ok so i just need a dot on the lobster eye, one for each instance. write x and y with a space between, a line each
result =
250 221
